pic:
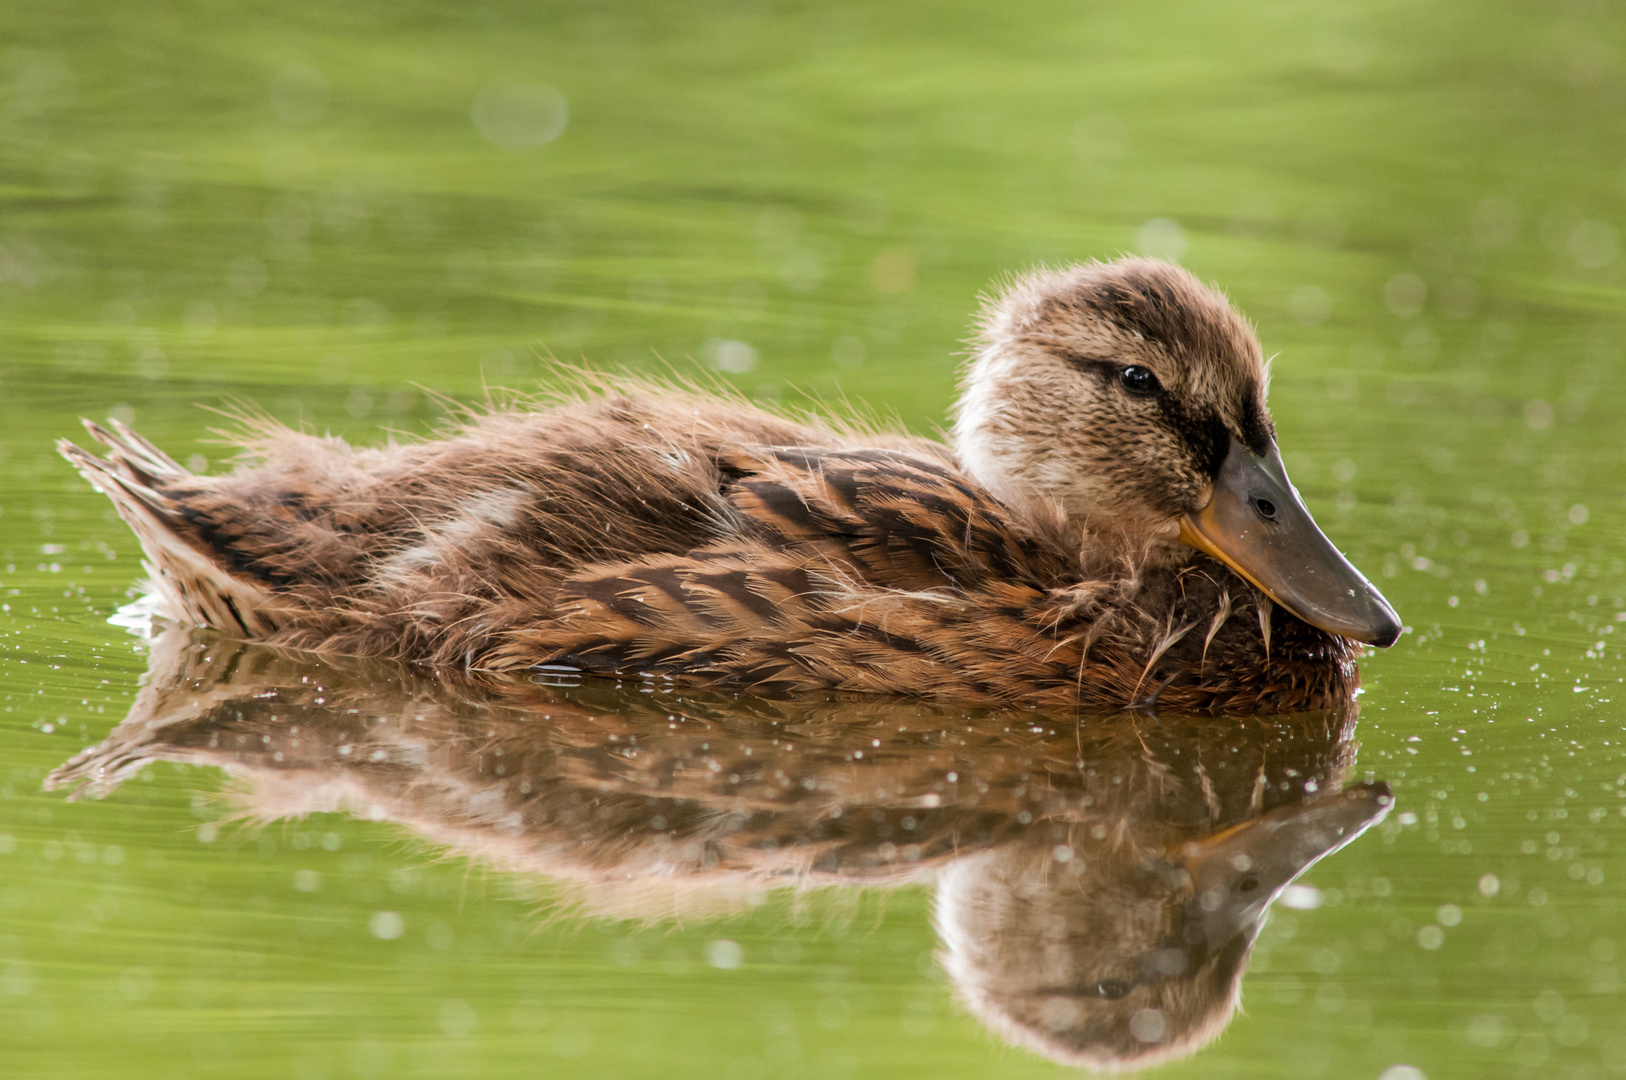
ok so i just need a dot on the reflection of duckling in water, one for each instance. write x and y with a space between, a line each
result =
1098 887
1112 421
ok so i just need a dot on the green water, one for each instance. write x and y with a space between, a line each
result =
337 213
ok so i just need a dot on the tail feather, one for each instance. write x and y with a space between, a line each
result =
132 452
141 480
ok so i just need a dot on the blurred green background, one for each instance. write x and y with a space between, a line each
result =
336 211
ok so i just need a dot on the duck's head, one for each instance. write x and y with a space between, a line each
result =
1132 397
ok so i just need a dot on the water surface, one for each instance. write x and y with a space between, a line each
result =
338 215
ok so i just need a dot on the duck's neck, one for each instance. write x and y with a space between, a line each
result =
991 437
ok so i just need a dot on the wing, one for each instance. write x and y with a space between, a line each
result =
771 621
859 569
894 519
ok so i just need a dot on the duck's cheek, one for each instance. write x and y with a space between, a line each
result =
1162 490
1168 492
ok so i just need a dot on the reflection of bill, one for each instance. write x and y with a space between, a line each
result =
1100 881
1138 957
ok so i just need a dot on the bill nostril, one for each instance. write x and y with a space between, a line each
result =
1264 508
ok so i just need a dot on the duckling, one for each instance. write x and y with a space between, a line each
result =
1097 891
1111 527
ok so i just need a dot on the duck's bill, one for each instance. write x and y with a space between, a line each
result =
1258 526
1238 873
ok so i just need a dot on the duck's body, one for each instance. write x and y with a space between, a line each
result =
642 531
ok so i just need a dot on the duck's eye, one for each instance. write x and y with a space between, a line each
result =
1111 989
1138 380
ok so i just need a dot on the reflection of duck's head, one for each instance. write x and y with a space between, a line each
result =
1120 955
1132 397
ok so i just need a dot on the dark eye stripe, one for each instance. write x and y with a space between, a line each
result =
1112 369
1084 362
1256 429
1206 437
